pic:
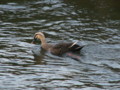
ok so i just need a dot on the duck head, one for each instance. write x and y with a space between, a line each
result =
39 36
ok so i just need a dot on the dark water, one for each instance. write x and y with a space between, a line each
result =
96 23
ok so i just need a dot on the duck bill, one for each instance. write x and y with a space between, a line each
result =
33 42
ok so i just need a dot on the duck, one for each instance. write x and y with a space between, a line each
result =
57 49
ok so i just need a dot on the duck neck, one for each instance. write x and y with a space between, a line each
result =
43 41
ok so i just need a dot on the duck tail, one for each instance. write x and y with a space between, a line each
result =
75 47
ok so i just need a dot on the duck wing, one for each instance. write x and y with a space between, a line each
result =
60 48
66 47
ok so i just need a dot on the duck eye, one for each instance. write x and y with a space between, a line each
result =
36 39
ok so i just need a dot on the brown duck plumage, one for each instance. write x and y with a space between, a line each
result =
57 49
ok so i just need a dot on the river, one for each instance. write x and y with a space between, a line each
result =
95 23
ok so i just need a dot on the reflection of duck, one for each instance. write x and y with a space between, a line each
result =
39 54
57 49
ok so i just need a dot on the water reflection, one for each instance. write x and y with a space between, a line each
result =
100 9
39 55
94 23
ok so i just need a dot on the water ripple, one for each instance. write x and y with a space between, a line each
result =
26 66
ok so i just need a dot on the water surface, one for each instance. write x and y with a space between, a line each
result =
95 24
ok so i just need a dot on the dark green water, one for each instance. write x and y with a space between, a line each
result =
96 23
